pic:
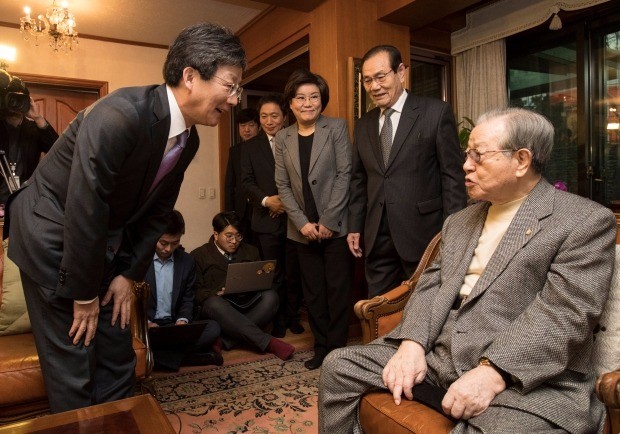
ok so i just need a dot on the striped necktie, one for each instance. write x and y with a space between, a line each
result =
386 135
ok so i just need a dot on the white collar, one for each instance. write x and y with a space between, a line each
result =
177 121
399 104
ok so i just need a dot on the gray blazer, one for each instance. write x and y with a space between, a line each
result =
328 175
534 308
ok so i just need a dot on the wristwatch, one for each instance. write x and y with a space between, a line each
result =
508 379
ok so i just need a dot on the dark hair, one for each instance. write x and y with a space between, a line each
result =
14 95
301 77
247 115
275 99
393 53
205 47
176 223
227 218
524 129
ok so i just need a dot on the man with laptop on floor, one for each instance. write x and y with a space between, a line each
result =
171 276
241 316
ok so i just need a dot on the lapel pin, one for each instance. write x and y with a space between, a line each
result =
528 232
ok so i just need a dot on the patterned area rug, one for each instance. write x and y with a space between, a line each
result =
261 396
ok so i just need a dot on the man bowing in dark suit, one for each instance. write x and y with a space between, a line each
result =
171 277
406 176
84 226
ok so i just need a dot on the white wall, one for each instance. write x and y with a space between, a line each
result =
127 65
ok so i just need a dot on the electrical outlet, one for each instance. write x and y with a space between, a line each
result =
202 193
211 193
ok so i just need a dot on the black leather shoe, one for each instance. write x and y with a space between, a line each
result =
203 359
278 331
315 362
296 328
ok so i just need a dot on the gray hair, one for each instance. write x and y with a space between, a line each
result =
205 47
524 129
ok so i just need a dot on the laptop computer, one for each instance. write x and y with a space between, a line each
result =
173 335
242 277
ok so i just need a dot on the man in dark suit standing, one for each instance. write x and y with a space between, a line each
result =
171 276
84 227
406 176
235 198
23 138
268 216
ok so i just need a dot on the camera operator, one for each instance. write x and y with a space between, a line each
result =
24 132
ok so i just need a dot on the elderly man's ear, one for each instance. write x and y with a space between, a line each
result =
524 161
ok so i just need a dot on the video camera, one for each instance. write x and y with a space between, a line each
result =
14 96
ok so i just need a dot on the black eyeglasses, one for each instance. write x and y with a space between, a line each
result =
233 88
476 156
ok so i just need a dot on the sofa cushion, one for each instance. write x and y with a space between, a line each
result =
21 380
13 315
606 355
378 414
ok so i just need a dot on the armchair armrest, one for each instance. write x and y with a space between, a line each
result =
382 313
608 391
139 322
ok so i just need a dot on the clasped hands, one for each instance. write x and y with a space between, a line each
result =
86 316
316 232
467 397
275 205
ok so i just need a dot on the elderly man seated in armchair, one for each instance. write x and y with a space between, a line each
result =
498 332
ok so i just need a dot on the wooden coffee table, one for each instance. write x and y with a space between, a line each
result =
140 414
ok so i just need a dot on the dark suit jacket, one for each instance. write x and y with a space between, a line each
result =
212 266
89 196
32 141
423 183
533 310
236 199
258 172
182 304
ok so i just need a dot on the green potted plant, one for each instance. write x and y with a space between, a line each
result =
465 127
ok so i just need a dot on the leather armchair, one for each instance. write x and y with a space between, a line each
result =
378 413
22 391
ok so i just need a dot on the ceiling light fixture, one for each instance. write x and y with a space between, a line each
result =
58 24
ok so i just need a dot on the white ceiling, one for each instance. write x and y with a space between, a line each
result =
146 21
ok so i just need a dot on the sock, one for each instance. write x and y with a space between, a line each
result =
280 348
217 345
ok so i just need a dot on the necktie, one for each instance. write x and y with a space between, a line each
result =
170 159
273 151
386 135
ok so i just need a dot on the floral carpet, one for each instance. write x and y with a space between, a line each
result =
261 396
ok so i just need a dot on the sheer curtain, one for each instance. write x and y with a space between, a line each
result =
480 80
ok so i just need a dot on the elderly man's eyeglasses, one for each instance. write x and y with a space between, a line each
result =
233 237
379 78
477 156
233 88
301 99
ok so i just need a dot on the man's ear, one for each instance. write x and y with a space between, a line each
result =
189 76
524 161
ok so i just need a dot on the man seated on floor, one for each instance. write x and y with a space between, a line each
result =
498 332
171 277
241 316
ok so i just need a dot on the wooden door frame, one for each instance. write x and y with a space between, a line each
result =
78 84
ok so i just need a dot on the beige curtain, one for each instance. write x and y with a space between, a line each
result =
480 78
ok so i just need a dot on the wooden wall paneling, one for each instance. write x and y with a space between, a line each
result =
272 33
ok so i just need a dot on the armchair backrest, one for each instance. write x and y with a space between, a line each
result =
382 313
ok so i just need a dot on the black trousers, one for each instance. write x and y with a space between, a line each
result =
286 280
78 376
385 269
326 276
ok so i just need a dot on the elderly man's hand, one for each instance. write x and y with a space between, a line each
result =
405 369
471 394
85 318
